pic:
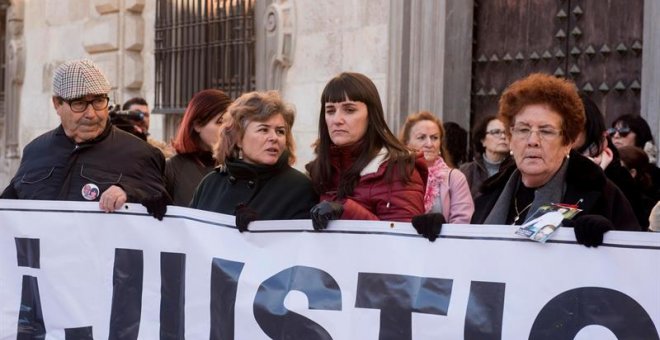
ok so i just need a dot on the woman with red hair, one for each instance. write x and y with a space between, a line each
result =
199 131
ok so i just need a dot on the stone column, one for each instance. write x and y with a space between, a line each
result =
14 75
650 96
430 59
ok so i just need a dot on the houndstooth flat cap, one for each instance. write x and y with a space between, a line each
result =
78 78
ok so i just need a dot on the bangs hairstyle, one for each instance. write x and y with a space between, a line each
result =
359 88
415 118
560 95
203 107
256 107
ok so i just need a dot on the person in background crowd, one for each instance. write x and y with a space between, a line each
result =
634 130
454 141
361 170
654 218
592 142
545 115
490 145
199 131
257 181
86 155
636 162
140 127
139 105
447 191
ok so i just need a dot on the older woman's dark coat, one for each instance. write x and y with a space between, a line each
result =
276 192
584 180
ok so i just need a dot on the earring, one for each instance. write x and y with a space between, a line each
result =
511 152
568 155
240 153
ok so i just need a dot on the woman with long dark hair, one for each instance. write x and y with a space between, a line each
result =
362 171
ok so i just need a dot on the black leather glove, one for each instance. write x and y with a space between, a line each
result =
589 229
324 212
429 225
244 215
157 205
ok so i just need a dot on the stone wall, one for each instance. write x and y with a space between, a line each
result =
332 37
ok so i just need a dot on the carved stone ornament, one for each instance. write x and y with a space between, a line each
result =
279 23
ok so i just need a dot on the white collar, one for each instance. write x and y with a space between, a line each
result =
375 163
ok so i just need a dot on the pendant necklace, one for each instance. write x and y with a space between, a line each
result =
518 213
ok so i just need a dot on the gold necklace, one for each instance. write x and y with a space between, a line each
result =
518 213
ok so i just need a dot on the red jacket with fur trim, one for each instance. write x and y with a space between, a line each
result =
373 197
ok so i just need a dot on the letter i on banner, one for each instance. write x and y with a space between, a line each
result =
31 323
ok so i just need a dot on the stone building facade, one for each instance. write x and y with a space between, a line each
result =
418 55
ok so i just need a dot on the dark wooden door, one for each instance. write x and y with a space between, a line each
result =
596 43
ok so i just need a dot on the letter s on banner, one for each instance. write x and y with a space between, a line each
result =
280 323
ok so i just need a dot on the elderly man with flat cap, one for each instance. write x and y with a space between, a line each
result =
86 158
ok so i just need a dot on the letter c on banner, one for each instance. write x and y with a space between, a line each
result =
280 323
567 313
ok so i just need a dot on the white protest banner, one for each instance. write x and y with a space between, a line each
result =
70 271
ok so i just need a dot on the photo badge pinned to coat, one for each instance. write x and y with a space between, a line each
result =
546 220
90 191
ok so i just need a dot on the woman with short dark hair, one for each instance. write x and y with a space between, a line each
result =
490 144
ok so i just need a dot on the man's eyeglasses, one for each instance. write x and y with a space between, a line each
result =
79 105
623 131
496 132
524 132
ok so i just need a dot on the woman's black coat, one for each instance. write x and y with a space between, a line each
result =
584 180
275 192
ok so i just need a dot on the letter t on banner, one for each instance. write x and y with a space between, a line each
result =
397 296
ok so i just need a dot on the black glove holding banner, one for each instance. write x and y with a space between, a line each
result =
157 205
244 215
429 225
324 212
589 229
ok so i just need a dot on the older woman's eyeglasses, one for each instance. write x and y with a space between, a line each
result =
79 105
496 132
524 132
623 131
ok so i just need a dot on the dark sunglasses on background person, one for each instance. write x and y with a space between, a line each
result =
623 131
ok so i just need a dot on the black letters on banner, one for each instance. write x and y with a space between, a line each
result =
172 296
397 296
280 323
127 278
30 318
27 252
224 283
483 318
567 313
80 333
